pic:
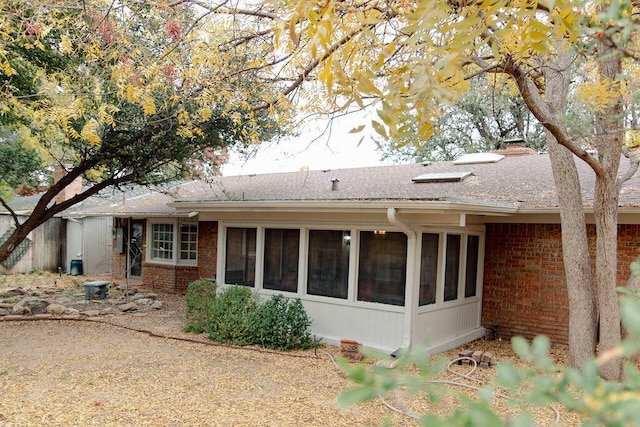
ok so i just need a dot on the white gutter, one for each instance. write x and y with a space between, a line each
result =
394 220
410 290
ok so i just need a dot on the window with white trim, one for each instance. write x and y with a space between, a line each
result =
162 242
382 270
188 242
460 250
173 242
452 267
429 268
471 277
281 255
328 263
240 256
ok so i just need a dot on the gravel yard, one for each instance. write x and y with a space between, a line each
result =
104 371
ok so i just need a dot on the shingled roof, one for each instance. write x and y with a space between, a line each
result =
514 183
523 182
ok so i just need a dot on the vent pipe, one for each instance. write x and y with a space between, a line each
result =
334 184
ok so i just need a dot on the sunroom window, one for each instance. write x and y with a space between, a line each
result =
429 268
328 263
240 261
382 267
452 267
281 254
471 278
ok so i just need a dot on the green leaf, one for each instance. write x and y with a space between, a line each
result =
521 347
523 419
482 416
635 269
630 312
352 396
508 376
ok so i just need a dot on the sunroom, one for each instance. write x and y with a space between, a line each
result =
384 276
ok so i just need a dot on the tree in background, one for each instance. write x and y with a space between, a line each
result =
125 92
491 112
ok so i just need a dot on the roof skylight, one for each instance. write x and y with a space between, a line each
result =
474 158
441 177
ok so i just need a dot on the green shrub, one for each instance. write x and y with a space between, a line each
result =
281 324
201 294
229 316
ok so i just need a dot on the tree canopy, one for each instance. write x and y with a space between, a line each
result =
127 92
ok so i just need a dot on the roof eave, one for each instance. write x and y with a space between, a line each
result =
413 206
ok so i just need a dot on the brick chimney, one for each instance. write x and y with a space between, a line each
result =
70 190
515 147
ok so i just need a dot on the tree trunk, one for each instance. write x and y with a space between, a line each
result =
575 252
605 207
575 248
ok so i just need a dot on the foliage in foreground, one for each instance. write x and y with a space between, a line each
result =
200 297
237 317
544 384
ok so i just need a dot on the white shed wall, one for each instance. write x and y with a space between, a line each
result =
90 240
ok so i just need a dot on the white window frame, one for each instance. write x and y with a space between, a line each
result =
461 299
175 256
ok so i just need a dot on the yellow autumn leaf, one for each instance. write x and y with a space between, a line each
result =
65 45
89 132
7 69
206 113
148 106
132 94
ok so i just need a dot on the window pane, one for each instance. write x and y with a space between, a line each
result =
188 241
162 241
281 252
240 262
473 247
452 269
328 263
429 268
383 267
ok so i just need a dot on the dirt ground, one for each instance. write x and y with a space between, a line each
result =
142 370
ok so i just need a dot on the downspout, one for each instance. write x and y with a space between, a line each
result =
410 306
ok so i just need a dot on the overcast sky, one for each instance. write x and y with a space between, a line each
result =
331 150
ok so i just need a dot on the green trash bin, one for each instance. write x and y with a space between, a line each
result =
76 267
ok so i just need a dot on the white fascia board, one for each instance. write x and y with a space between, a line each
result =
414 206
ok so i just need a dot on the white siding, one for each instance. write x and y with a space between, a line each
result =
372 327
90 240
97 256
447 327
74 242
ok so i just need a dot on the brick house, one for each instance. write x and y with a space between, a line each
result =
391 256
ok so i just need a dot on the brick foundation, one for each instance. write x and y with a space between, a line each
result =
167 277
524 280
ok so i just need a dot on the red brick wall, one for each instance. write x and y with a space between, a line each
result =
207 248
175 278
167 277
524 281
